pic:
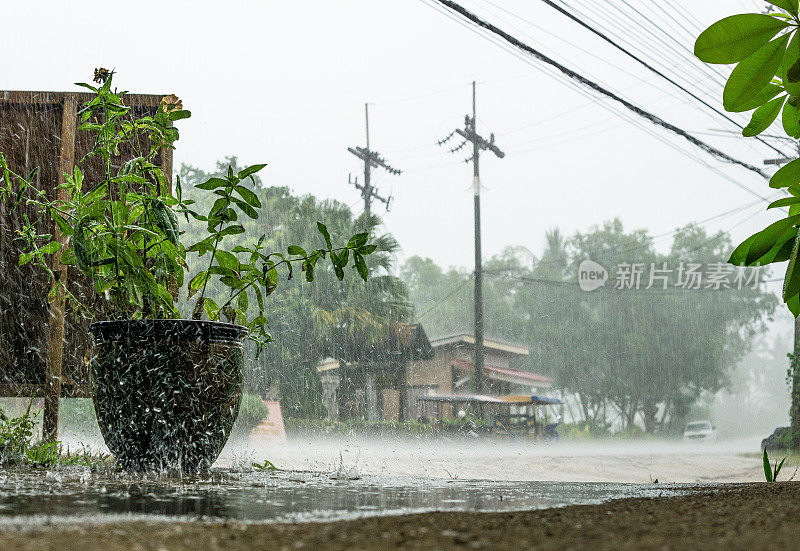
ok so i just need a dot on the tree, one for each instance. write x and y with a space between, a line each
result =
645 354
327 317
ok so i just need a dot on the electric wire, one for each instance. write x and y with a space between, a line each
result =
585 82
650 67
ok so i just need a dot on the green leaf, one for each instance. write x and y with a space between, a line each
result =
323 229
782 250
165 220
360 266
746 255
787 5
791 121
52 247
245 207
768 238
198 281
178 115
218 207
227 260
222 271
787 175
211 308
250 170
242 301
735 38
295 249
767 467
234 229
790 59
793 303
752 74
793 73
358 240
251 198
783 202
791 283
778 467
367 249
343 257
763 117
212 183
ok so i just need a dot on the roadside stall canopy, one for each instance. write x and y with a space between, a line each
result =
461 398
516 399
523 399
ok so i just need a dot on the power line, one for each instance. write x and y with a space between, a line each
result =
613 107
654 119
656 45
650 67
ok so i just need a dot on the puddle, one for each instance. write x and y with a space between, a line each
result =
73 494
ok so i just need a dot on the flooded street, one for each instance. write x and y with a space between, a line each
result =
70 494
578 461
335 479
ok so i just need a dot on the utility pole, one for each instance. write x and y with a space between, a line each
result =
371 159
470 135
794 412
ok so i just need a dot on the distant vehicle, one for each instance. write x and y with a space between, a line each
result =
700 431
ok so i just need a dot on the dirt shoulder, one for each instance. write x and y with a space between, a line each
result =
742 516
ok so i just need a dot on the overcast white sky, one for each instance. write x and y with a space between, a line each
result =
285 83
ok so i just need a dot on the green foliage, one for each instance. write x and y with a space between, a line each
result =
265 465
634 355
18 445
123 230
256 277
251 412
737 37
771 472
358 427
328 317
586 430
766 67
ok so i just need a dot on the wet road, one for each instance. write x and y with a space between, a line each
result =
75 494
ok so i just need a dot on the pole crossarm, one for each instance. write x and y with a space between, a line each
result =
374 159
371 159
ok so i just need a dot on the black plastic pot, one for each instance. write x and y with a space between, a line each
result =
167 392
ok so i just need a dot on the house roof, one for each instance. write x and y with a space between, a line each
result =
401 342
491 343
516 376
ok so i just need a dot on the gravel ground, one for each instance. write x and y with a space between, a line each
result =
734 516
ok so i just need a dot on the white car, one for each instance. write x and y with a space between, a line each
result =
700 431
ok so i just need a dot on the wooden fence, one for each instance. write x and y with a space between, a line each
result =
44 349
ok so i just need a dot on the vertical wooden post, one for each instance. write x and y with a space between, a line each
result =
55 341
402 393
166 166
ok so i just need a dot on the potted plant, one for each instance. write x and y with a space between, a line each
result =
167 389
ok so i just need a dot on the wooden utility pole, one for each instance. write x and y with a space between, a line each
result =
371 159
470 134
